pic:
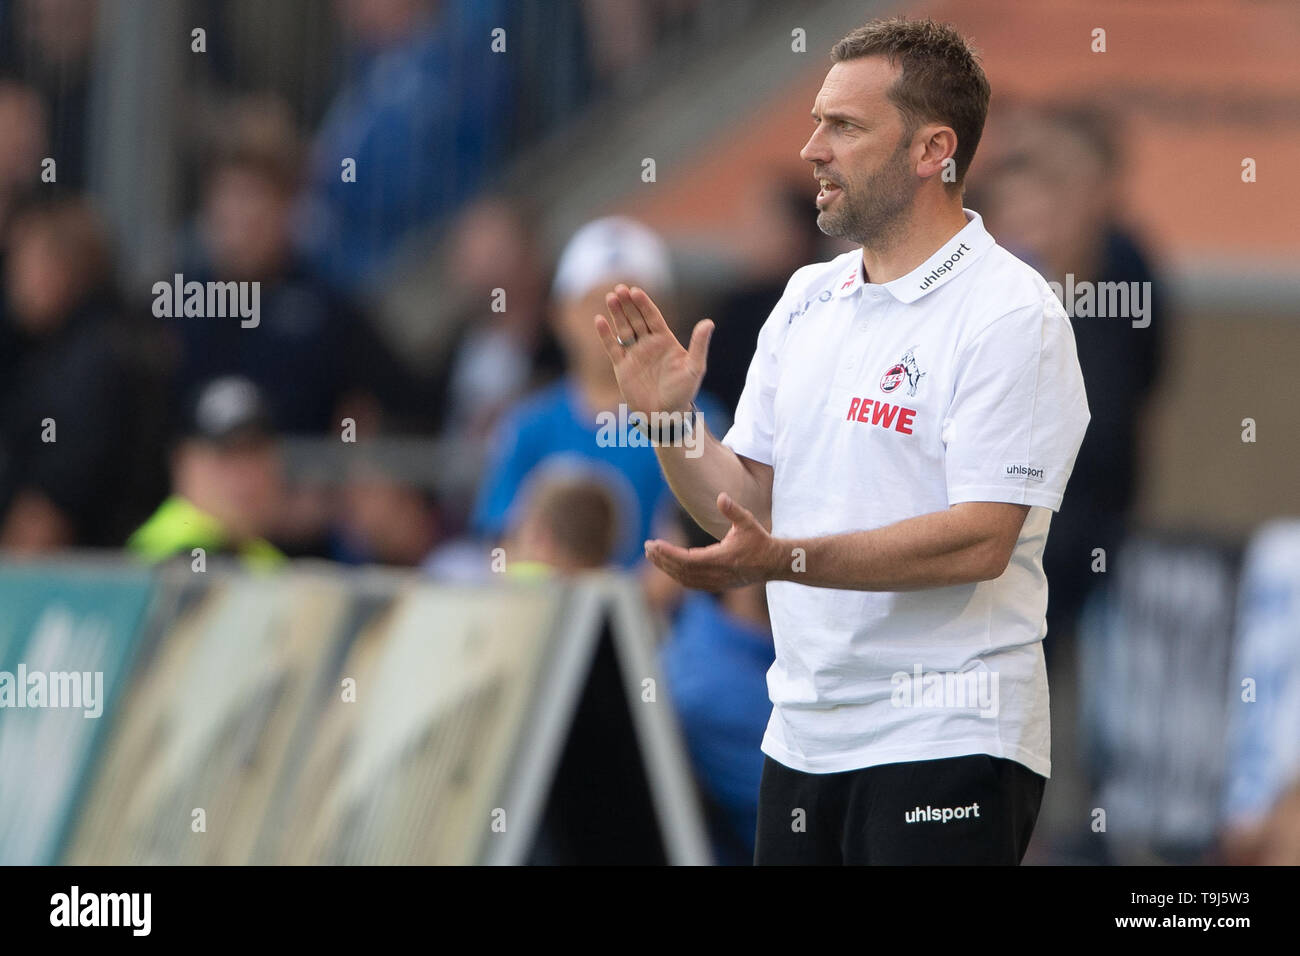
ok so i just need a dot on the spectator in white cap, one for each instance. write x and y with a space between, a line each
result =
572 417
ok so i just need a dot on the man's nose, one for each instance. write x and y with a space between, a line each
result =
816 150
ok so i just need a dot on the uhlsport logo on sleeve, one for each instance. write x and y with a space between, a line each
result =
1016 471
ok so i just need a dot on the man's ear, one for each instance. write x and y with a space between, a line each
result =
938 143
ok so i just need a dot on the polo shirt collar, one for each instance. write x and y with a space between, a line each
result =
953 258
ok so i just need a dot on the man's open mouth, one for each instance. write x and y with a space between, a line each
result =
829 191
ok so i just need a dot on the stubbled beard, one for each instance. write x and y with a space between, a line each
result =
874 213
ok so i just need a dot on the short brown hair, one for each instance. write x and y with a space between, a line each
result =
580 516
941 80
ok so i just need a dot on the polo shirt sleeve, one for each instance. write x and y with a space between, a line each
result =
1018 410
753 426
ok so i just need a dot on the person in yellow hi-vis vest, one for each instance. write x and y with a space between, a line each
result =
226 482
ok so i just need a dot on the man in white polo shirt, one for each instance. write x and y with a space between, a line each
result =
910 419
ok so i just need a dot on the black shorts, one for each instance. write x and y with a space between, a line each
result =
974 809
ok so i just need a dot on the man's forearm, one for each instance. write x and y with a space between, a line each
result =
929 551
699 472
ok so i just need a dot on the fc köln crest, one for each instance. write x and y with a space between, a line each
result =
905 370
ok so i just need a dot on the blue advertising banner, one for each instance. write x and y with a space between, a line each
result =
67 639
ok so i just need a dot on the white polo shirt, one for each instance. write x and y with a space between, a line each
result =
876 403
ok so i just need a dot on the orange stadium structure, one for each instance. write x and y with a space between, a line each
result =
1201 85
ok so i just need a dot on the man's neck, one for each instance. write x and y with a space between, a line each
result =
920 237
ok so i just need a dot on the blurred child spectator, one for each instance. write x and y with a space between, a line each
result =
226 482
423 114
562 418
569 525
566 521
71 448
715 661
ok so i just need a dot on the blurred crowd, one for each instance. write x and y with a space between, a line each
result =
120 428
271 196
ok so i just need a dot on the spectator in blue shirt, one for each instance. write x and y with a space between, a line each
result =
566 418
425 116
